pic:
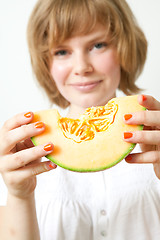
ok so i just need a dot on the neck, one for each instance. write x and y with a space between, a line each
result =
75 111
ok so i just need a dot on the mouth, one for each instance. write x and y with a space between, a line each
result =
86 86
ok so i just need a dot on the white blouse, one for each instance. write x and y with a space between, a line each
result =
120 203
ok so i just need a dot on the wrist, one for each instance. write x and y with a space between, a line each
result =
20 200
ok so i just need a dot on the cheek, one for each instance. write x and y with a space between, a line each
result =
59 72
109 65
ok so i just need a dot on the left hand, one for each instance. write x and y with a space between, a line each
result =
149 139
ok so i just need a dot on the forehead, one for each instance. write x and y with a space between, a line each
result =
79 20
99 32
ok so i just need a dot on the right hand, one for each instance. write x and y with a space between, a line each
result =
20 160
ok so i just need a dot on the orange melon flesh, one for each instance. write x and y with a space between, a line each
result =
93 142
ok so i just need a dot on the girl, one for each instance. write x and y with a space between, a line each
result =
81 52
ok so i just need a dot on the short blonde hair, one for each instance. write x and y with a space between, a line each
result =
53 21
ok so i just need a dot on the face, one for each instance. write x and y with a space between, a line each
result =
86 70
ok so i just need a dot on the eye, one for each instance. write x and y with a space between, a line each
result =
100 45
61 53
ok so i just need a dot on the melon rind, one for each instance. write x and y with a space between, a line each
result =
81 150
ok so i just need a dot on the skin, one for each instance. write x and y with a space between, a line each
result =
87 72
19 165
77 60
149 139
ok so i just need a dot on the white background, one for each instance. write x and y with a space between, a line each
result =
18 89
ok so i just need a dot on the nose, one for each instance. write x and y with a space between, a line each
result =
82 64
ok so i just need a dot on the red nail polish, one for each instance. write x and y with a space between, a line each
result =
39 125
127 116
51 166
128 158
28 114
128 135
48 147
144 98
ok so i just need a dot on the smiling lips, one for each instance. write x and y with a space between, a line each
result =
86 86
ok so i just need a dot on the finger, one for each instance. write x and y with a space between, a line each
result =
19 134
21 159
39 168
18 120
145 137
19 176
147 118
149 102
146 157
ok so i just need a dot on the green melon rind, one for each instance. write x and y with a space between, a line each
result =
132 146
93 169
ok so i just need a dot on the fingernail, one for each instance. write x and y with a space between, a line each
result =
127 116
28 114
52 166
128 135
48 147
128 158
144 98
39 125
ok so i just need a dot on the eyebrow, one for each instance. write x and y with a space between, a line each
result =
99 38
100 35
92 39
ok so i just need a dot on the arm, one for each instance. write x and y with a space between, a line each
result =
18 219
20 162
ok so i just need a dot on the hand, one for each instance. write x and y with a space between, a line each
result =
149 139
19 159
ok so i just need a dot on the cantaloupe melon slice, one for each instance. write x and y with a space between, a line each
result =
93 142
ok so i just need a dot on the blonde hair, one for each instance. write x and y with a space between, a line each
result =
53 21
